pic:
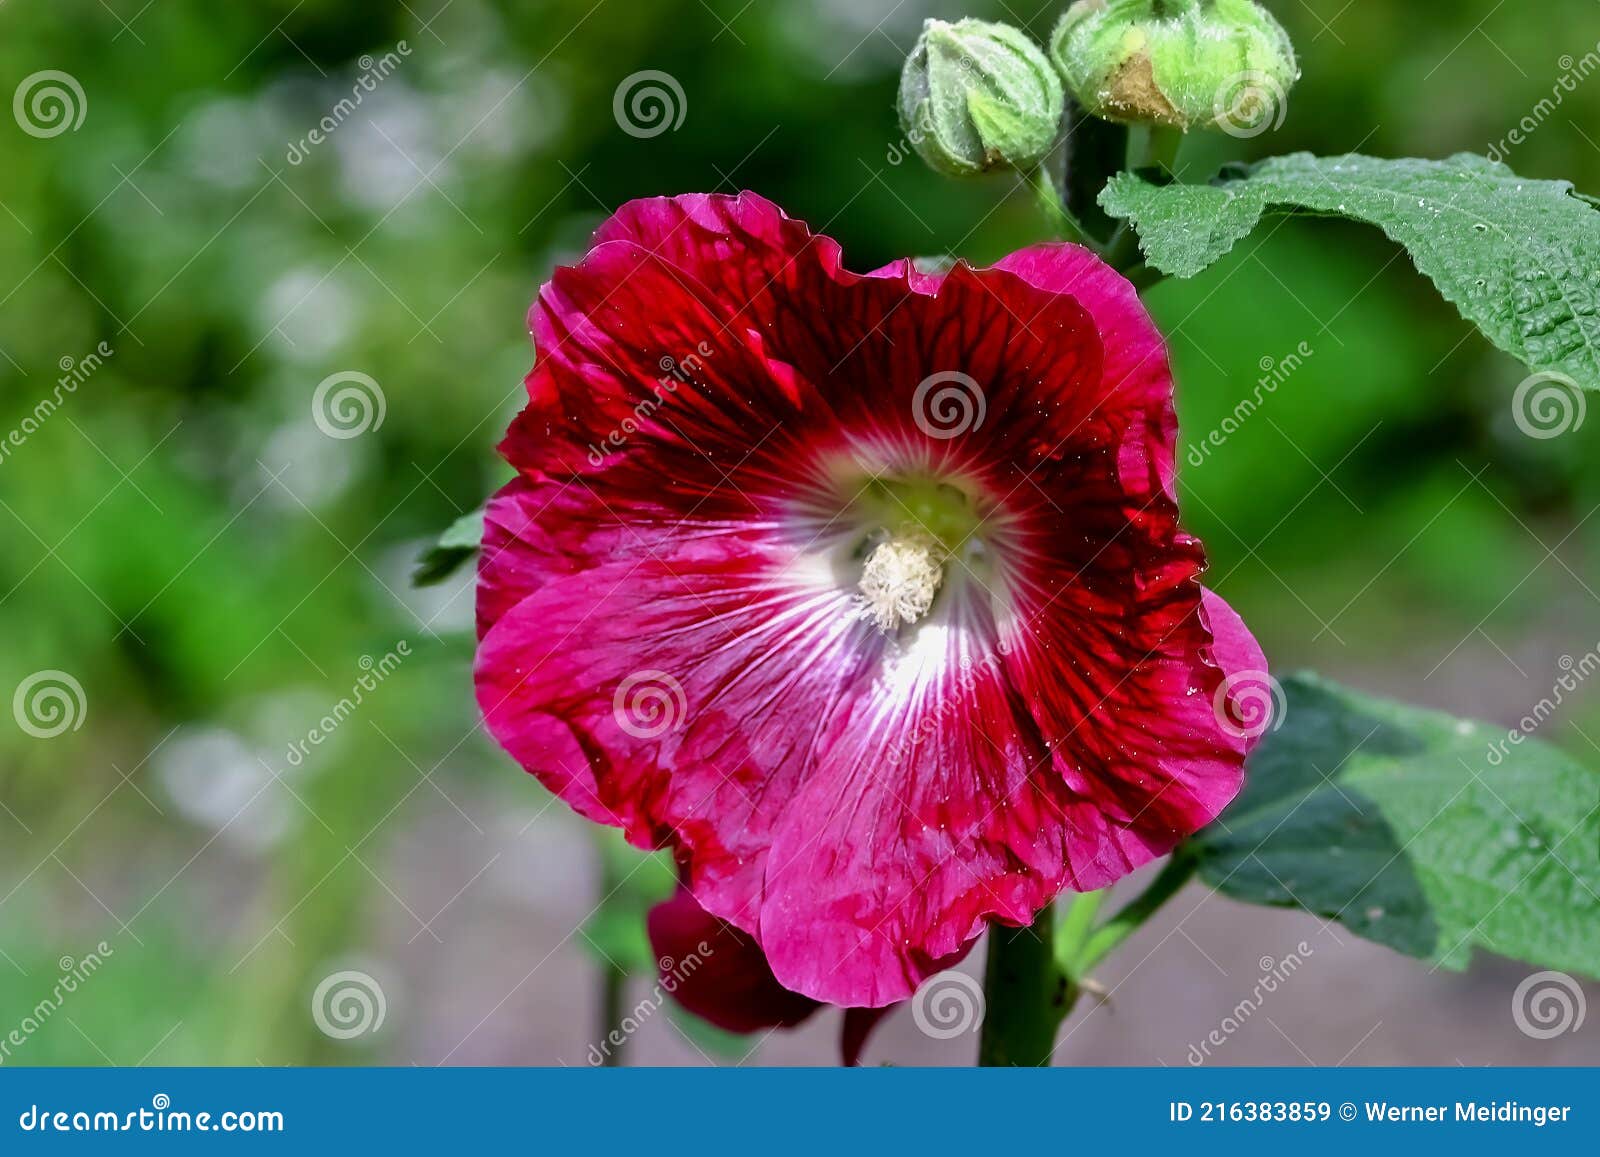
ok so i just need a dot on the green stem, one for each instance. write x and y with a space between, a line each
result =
1094 150
1109 936
1074 929
1026 996
613 977
1156 146
613 993
1034 975
1141 275
1044 191
1166 145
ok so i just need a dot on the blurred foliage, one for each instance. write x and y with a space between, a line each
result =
212 569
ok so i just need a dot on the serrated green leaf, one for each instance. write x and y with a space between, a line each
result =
1426 833
1519 258
455 546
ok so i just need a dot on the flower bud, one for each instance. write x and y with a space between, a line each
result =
977 96
1224 64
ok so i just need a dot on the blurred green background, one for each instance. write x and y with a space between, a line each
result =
216 572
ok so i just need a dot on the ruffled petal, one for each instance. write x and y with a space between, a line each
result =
680 696
1136 370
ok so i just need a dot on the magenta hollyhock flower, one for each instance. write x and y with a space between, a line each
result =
865 593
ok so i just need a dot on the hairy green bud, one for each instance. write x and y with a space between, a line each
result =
1222 64
977 96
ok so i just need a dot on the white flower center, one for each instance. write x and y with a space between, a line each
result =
901 578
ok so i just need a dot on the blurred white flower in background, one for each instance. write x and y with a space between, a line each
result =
218 782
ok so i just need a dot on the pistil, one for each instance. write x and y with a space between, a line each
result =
901 578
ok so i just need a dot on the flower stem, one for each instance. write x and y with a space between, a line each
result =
613 992
1044 191
1035 975
1095 150
1155 146
1073 929
1026 996
1109 936
613 977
